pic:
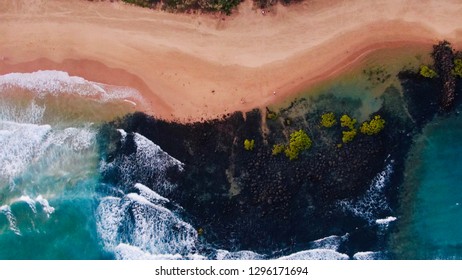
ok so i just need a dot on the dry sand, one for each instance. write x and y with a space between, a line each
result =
192 67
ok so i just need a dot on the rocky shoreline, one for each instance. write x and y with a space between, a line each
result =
250 199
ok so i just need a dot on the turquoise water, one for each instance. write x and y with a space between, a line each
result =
53 204
431 222
47 192
49 170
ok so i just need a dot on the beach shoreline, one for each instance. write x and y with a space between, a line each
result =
200 67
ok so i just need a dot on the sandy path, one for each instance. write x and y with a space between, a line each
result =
201 66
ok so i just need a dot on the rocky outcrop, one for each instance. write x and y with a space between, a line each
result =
444 63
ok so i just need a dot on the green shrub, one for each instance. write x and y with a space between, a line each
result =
277 149
427 72
271 116
143 3
299 141
347 121
348 136
328 120
374 126
457 67
249 144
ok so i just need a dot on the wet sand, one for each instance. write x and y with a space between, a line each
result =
193 67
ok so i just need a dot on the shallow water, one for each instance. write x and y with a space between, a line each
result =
49 164
368 80
47 192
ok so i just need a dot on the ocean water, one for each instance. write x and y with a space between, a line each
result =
49 164
430 222
55 205
53 202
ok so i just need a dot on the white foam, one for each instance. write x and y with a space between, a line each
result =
152 229
19 145
126 94
77 139
23 144
149 194
129 101
140 199
127 252
48 82
239 255
385 221
45 205
332 242
32 203
109 217
316 254
32 114
148 163
123 134
367 256
51 82
147 149
6 210
29 202
369 205
196 257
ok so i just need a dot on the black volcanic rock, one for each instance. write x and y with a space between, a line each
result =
252 200
444 63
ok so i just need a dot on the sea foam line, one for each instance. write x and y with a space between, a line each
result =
148 163
52 82
373 202
137 227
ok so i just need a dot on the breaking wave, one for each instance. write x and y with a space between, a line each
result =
316 254
51 82
147 165
373 203
44 166
21 214
136 222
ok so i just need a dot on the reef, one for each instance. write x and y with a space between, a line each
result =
242 198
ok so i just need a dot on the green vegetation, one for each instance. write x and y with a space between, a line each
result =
427 72
223 6
377 74
348 136
271 115
277 149
374 126
457 67
328 120
299 141
143 3
249 145
347 121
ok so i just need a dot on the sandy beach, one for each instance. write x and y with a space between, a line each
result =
194 67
